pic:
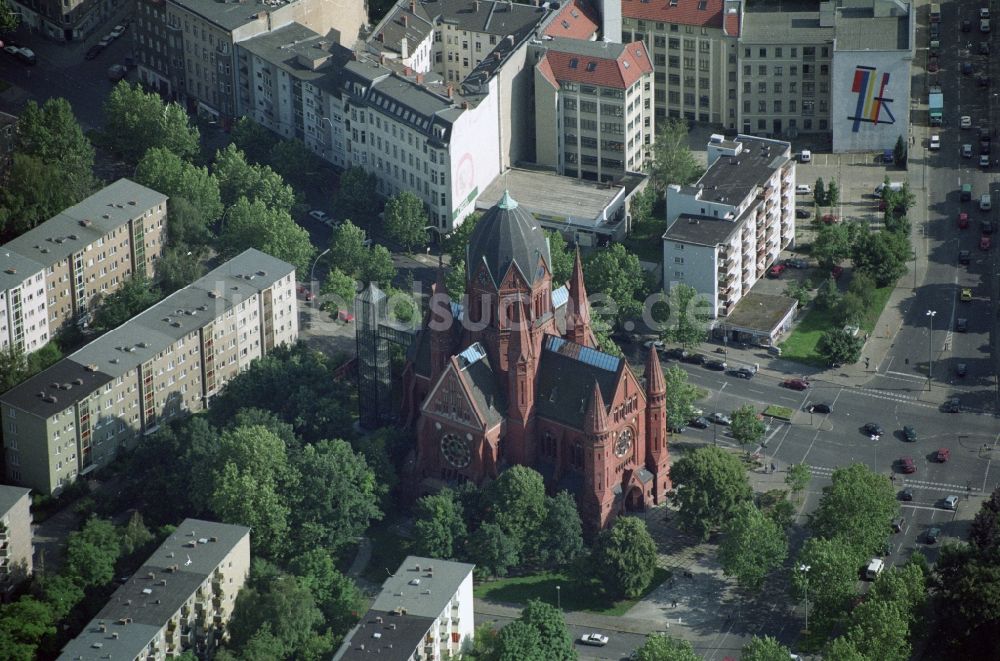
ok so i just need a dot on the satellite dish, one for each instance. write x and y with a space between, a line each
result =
188 561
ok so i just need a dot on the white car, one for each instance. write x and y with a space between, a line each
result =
984 160
951 503
320 215
596 639
117 32
106 41
965 122
984 12
803 188
984 25
653 343
806 156
935 142
966 151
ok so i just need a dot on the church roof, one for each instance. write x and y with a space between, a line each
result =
566 376
508 235
482 382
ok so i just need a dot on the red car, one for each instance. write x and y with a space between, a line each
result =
796 384
963 220
836 272
942 455
829 219
984 242
906 465
776 271
305 292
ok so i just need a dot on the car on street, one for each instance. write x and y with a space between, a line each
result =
105 41
805 156
984 48
935 30
935 142
962 325
964 256
905 495
717 365
743 373
653 343
304 292
695 359
966 25
116 72
820 408
965 122
984 12
26 55
907 465
776 271
961 369
320 215
984 160
932 65
797 263
950 503
93 52
699 423
983 80
966 296
967 151
942 455
802 213
720 418
872 429
953 405
909 434
118 31
985 202
967 68
675 354
803 189
897 525
931 536
986 226
795 384
595 639
985 242
963 220
984 25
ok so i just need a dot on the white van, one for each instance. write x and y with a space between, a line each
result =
894 186
805 156
985 203
874 568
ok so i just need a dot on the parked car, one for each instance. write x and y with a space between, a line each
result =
320 215
699 423
961 369
836 272
963 220
966 296
694 359
820 408
743 373
931 536
966 25
596 639
805 156
984 161
720 418
942 455
872 429
909 434
984 48
797 263
830 218
25 55
953 405
653 343
907 465
803 189
964 256
675 354
796 384
965 122
776 271
935 142
985 242
966 151
950 503
932 65
717 365
305 292
93 52
984 25
905 495
962 325
983 80
105 41
986 226
802 213
118 31
897 525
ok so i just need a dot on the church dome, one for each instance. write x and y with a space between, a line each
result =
508 235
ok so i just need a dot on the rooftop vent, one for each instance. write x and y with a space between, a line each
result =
85 222
147 591
415 581
11 270
203 540
50 399
131 203
106 216
66 386
115 635
376 635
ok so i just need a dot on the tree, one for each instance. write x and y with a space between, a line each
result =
178 268
33 192
135 535
454 280
882 255
856 506
747 427
379 267
832 194
851 309
406 220
517 504
624 558
23 624
764 649
831 578
681 397
798 477
356 196
709 484
899 152
965 584
519 641
167 173
614 277
843 649
254 225
338 290
838 347
456 242
438 526
134 296
753 546
562 258
258 183
253 139
819 193
187 226
832 244
673 162
336 595
880 630
643 203
660 647
13 366
60 592
560 537
801 291
296 163
551 626
9 20
984 534
492 550
91 553
347 249
137 121
282 606
689 315
828 295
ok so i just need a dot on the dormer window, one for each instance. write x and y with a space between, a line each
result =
591 66
574 63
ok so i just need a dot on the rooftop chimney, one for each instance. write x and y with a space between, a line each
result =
404 48
413 6
420 79
451 92
407 71
406 21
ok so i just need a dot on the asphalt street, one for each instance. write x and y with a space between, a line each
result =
619 647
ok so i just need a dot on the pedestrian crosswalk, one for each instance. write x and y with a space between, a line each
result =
900 482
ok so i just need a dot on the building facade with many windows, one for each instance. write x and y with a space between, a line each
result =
56 273
164 363
16 550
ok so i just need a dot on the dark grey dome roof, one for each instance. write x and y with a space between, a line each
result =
508 235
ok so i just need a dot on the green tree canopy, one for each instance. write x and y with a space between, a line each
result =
91 553
168 173
138 120
282 606
624 557
832 244
764 649
258 183
438 526
134 296
830 580
253 139
562 258
798 477
23 625
660 647
517 504
456 242
254 225
347 249
747 427
753 546
33 192
493 551
378 267
560 536
406 220
681 397
673 162
882 255
356 196
688 320
838 347
857 506
615 283
551 625
519 641
178 268
880 630
335 595
340 289
709 484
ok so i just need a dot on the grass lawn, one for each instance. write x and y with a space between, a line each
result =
781 412
575 595
801 344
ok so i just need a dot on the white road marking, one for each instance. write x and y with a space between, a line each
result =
913 377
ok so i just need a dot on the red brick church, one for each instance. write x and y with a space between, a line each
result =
514 376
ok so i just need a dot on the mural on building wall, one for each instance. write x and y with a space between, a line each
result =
872 106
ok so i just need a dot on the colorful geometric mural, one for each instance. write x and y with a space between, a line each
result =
872 102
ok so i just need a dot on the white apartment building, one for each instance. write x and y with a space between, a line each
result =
164 363
57 272
180 600
16 550
593 107
724 231
423 613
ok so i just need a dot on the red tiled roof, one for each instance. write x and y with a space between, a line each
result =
545 69
576 20
682 12
732 24
622 72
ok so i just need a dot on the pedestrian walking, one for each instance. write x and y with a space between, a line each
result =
673 604
773 468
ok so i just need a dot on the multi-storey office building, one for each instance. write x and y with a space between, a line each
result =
162 364
65 20
15 538
724 231
58 271
180 600
423 613
593 107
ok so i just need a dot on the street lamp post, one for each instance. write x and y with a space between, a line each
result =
440 233
312 271
559 597
805 569
930 346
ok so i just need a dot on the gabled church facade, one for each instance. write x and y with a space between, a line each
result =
513 375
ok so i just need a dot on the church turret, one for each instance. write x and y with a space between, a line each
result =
521 367
578 309
657 455
597 426
440 326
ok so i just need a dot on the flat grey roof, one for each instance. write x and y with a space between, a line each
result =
436 583
730 179
760 312
15 268
153 594
392 639
552 195
783 28
284 46
76 227
489 16
859 29
702 230
9 497
228 15
55 389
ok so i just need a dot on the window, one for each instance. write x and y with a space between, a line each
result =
761 70
746 52
777 106
761 88
762 106
778 70
746 69
777 51
763 52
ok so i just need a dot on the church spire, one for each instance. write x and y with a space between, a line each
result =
655 385
440 321
578 311
596 419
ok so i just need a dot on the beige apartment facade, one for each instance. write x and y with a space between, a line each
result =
180 600
56 273
163 364
16 550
